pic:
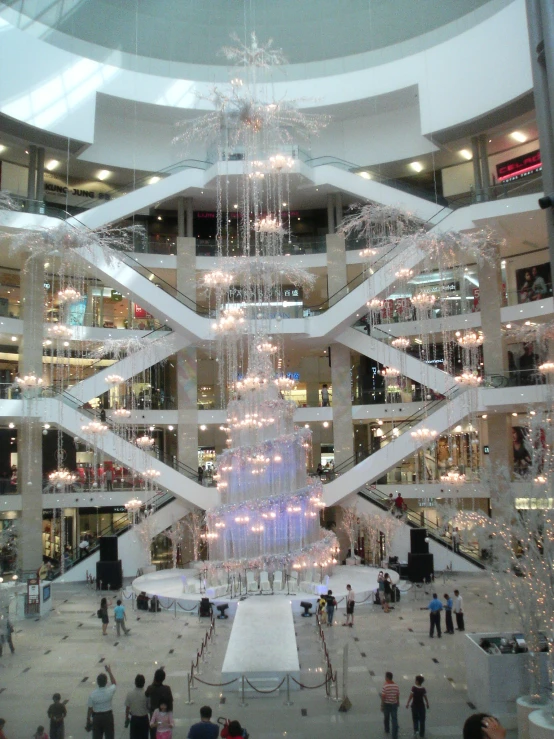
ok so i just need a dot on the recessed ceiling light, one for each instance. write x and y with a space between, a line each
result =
416 166
365 175
466 154
153 180
284 205
160 218
51 165
519 136
2 148
325 424
203 427
11 425
236 205
103 174
14 338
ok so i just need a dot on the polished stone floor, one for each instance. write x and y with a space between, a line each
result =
66 651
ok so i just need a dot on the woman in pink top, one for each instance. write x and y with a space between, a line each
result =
162 721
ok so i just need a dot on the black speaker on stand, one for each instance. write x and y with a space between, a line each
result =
420 567
108 549
418 545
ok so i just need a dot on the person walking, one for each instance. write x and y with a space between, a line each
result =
158 693
331 605
448 614
204 729
381 586
162 721
459 611
104 615
136 710
387 589
57 713
390 699
324 396
420 704
6 634
435 608
108 476
2 724
200 474
119 615
100 713
350 603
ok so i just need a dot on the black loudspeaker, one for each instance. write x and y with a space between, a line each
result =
420 567
108 549
418 545
109 575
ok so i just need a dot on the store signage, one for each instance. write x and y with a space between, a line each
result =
33 592
62 190
427 502
486 450
518 167
141 312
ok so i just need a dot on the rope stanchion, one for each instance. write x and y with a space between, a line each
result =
216 685
288 701
189 700
265 692
242 703
310 687
187 610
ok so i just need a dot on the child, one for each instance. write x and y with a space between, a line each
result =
40 733
321 607
57 713
418 699
162 721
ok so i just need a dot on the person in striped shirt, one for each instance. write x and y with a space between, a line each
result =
390 698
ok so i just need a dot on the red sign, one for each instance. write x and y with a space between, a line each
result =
141 313
520 166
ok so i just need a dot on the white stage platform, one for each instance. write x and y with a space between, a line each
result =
262 646
168 586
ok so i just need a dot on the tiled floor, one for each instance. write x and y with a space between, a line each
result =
65 652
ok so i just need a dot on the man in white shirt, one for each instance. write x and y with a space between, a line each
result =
349 606
458 608
100 712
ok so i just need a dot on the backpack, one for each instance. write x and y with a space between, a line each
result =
99 613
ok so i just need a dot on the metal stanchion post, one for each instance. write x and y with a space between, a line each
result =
336 686
175 608
243 703
288 702
189 700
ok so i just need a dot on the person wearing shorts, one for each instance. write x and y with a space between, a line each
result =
350 603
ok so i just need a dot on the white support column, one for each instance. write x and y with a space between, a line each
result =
336 263
29 432
187 372
330 213
342 403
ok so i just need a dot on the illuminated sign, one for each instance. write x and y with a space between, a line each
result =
518 167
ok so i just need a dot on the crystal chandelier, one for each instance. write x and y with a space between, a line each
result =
470 340
547 368
267 348
390 372
231 318
217 278
69 295
114 379
151 474
59 331
374 305
540 480
268 226
64 477
424 434
95 428
279 162
364 253
144 442
400 343
423 300
469 378
121 413
29 382
453 478
285 383
134 505
404 274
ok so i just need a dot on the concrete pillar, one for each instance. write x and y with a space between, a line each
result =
187 374
32 172
484 161
338 208
309 374
336 264
540 22
342 403
495 356
180 217
29 434
501 458
40 174
477 168
331 213
190 215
